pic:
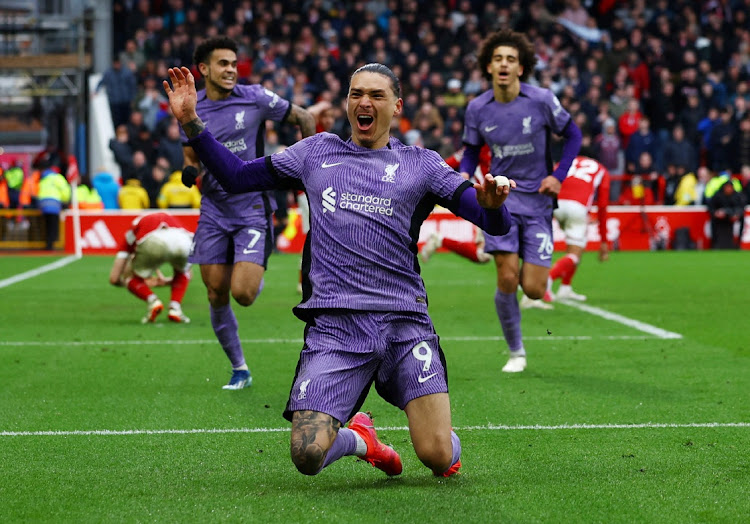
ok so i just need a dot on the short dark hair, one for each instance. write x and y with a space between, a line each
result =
381 70
202 54
507 37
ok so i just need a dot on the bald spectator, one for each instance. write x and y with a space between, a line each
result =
170 147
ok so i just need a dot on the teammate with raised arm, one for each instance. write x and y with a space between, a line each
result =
363 300
235 232
515 120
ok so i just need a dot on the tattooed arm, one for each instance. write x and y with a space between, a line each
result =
302 118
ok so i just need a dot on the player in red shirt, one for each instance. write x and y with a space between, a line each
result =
154 239
485 157
473 250
586 178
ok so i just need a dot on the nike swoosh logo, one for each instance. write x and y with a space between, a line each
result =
489 128
326 164
248 251
425 379
545 257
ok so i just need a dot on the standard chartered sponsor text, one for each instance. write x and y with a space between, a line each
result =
517 150
366 204
235 145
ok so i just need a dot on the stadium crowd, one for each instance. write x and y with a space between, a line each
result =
660 90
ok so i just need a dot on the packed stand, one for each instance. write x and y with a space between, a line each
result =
660 90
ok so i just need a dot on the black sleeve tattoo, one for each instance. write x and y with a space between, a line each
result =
194 127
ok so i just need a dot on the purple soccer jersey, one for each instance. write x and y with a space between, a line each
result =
366 207
517 134
363 299
238 122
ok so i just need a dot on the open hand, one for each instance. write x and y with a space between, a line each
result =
182 95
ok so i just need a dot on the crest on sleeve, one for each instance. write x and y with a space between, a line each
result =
558 106
274 97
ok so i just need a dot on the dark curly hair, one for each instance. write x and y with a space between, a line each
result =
202 54
507 37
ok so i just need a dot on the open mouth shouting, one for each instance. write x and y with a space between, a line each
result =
365 122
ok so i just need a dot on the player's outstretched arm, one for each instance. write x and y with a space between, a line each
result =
119 269
482 205
302 118
603 251
234 175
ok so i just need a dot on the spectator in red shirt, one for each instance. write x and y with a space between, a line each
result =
638 74
628 123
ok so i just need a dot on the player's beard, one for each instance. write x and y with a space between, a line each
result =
218 86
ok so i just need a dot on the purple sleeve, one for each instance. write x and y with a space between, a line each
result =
470 159
571 147
493 221
234 175
471 133
274 106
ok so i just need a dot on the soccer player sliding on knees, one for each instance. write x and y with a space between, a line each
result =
364 303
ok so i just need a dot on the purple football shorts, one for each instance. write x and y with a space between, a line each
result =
345 351
227 240
529 236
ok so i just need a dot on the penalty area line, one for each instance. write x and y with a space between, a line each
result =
488 427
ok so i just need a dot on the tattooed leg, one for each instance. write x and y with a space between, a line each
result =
313 434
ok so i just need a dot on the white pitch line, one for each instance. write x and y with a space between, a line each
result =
38 271
608 315
636 324
86 343
488 427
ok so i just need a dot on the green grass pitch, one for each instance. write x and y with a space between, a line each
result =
633 409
